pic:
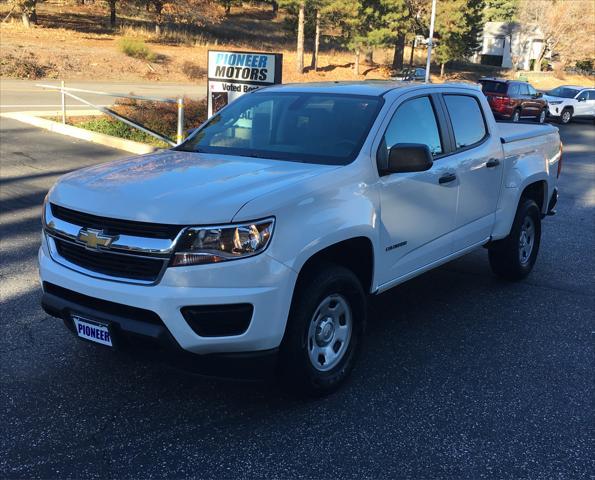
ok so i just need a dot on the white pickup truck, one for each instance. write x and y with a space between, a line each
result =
257 241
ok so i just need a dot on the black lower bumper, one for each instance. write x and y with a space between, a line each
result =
143 334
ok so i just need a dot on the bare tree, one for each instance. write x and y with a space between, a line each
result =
568 27
300 37
27 9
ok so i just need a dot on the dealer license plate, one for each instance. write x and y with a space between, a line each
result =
91 330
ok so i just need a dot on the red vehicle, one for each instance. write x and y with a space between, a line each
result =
514 100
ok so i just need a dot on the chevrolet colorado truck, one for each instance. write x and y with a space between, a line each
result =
258 240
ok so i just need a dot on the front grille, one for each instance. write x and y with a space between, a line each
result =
114 226
112 264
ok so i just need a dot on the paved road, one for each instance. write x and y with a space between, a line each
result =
463 376
19 95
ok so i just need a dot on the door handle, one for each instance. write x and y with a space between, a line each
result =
447 178
492 162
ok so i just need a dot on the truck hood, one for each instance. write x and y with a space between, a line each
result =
550 98
175 187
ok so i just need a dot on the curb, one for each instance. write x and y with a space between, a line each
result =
34 118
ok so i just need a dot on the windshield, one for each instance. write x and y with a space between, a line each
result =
489 86
301 127
563 92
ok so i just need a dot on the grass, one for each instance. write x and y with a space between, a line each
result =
136 48
116 128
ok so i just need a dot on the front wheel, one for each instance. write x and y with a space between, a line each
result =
324 331
513 257
516 116
566 116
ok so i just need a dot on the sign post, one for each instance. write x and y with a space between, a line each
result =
231 74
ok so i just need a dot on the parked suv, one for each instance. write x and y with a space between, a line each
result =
513 100
568 101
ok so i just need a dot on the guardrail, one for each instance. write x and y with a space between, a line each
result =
67 91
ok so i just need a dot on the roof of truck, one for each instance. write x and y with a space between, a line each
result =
368 87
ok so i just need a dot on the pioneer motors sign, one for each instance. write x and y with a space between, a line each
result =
232 74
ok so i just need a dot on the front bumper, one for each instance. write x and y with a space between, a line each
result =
260 281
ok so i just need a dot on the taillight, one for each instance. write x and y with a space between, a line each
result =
499 101
560 161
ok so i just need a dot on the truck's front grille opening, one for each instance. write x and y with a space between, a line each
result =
114 226
112 264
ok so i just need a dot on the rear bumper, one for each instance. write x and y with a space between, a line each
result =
553 202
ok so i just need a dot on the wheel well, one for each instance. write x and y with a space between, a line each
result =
356 254
569 107
536 191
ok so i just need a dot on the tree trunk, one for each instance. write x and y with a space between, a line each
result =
158 18
26 19
112 13
300 39
227 8
158 29
412 52
399 51
314 64
369 56
275 7
356 66
442 67
33 16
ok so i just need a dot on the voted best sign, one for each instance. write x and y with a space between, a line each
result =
231 74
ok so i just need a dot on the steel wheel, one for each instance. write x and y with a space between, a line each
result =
329 332
566 116
516 116
526 240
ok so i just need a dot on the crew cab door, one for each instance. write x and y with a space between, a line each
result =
478 160
417 209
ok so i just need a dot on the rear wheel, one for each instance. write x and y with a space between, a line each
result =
514 256
566 116
516 116
541 117
324 331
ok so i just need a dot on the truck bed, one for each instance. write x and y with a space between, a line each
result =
513 132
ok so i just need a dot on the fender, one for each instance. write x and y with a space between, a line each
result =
509 201
316 214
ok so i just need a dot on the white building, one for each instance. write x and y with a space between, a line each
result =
508 44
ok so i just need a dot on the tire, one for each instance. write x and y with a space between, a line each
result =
309 364
541 117
513 257
566 116
516 116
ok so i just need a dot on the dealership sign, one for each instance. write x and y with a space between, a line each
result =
231 74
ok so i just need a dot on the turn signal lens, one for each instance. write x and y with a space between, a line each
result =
560 161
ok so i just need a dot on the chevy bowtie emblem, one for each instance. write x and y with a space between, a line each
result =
93 239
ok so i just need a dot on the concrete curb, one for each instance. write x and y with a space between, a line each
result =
34 118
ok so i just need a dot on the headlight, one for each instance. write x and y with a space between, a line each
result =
200 245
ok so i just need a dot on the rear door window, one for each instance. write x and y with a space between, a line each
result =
466 118
523 89
513 90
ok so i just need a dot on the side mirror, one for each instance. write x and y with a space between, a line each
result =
582 99
409 157
539 95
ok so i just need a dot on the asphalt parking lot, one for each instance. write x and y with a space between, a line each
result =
462 376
